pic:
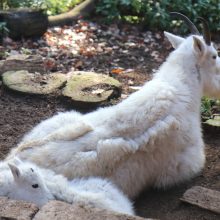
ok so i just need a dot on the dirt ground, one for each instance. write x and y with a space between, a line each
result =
142 55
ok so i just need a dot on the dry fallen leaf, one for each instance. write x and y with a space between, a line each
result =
117 71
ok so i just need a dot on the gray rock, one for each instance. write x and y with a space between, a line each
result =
19 210
57 210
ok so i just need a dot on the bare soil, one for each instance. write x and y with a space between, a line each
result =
138 53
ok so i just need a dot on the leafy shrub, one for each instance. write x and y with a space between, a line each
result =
51 6
206 107
3 31
155 14
209 107
60 6
26 4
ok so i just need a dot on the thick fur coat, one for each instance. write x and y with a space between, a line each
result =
153 138
26 181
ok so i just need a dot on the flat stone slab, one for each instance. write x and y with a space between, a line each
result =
19 210
203 197
56 210
33 83
91 88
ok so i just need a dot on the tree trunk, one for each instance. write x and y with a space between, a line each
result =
25 22
29 23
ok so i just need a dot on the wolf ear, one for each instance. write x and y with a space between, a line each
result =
174 40
15 171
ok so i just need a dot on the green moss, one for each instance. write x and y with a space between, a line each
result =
33 83
215 121
85 87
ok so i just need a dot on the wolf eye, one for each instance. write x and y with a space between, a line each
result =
35 186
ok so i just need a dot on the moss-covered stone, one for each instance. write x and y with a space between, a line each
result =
215 121
91 88
33 83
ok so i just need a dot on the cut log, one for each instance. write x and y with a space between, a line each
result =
86 89
89 89
25 22
203 197
30 63
33 83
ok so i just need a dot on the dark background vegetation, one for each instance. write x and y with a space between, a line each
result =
154 14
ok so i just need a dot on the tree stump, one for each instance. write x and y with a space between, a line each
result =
33 83
89 89
25 22
84 89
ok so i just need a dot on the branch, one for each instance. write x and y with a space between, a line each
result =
82 9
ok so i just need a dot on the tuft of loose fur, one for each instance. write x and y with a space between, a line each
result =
153 138
26 181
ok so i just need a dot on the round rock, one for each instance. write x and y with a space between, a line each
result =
33 83
89 88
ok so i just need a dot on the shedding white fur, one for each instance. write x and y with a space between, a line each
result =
26 181
152 138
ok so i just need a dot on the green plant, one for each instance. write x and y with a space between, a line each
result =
155 14
3 4
206 107
58 6
51 6
36 4
3 30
